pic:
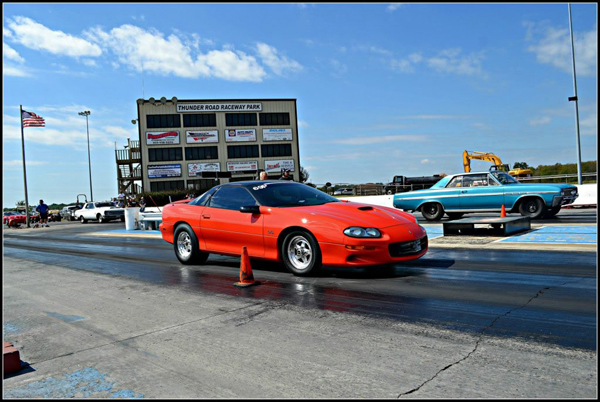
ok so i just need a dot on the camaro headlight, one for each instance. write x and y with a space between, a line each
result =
356 231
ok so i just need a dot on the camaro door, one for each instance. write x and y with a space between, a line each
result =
481 192
225 229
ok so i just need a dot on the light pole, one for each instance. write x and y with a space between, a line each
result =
86 114
574 98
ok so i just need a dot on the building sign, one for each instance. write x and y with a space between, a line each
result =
160 171
195 168
232 135
201 137
218 107
277 166
241 166
162 138
277 134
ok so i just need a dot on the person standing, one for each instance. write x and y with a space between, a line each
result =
43 210
286 175
263 175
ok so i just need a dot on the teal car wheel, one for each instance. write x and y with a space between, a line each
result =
532 207
432 211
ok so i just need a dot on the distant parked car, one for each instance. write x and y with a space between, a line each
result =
68 212
344 191
12 218
54 215
463 193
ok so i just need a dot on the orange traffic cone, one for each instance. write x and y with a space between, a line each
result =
503 212
246 277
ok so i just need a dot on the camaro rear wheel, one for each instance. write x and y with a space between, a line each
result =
532 207
187 247
432 211
300 253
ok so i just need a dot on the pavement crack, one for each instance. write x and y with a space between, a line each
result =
479 339
126 340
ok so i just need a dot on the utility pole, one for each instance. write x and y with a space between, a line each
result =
24 170
574 98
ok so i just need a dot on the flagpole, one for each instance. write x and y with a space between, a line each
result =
24 170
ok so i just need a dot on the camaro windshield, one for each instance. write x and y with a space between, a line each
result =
504 178
289 195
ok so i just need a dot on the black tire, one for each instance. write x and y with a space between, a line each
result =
100 219
551 212
532 207
389 192
82 219
454 215
300 253
186 246
432 211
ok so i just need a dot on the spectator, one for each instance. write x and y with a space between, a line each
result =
263 176
142 204
43 210
286 175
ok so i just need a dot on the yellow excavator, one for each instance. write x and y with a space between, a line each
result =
496 163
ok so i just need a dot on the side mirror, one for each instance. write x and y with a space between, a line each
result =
250 209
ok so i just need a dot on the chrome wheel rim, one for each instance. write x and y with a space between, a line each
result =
300 253
184 245
531 207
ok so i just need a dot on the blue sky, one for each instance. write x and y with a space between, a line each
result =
382 89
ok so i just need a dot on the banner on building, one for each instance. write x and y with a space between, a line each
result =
219 107
162 138
201 137
276 166
277 134
233 135
241 166
195 168
161 171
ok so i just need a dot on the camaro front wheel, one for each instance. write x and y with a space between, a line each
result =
300 253
187 247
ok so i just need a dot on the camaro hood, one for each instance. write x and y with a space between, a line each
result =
358 214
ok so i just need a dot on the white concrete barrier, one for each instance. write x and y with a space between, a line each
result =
131 216
588 194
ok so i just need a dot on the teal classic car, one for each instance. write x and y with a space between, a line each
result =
463 193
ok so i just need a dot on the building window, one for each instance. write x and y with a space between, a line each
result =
164 154
276 150
242 151
166 185
200 120
274 119
195 153
240 119
163 121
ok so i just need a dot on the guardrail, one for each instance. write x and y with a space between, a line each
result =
560 178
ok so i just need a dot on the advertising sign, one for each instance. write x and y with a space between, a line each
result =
162 138
219 107
201 137
195 168
241 166
232 135
277 134
160 171
276 166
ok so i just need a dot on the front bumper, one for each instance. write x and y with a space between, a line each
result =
397 244
564 200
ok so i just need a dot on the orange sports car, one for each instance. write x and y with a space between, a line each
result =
291 222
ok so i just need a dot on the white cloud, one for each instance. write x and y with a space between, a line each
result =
11 53
553 46
424 160
540 121
36 36
277 63
379 139
19 163
447 61
393 7
14 72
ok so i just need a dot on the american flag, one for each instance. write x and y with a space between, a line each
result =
32 120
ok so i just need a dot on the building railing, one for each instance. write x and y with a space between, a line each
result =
127 155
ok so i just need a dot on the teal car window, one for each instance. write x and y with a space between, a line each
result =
504 178
455 182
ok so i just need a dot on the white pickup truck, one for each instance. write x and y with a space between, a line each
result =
99 211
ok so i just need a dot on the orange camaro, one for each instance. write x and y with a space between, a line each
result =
290 222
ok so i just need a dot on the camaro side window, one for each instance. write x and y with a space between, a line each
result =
231 198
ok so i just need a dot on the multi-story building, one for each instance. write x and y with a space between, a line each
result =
196 144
